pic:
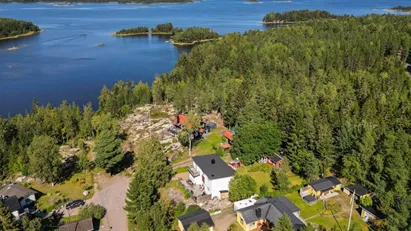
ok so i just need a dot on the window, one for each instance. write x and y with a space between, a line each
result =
241 220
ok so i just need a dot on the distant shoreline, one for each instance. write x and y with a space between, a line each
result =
276 23
143 33
22 35
194 42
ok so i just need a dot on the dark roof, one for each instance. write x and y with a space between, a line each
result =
359 190
324 183
201 216
15 190
12 203
309 199
272 209
82 225
213 166
371 209
275 158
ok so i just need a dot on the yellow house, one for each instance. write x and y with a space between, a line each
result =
371 215
266 212
321 188
200 217
359 191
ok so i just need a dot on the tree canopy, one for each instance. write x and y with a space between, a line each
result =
12 27
337 89
193 34
297 16
242 187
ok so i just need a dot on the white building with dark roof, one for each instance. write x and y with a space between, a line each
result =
212 173
17 197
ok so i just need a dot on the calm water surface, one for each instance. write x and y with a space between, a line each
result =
64 62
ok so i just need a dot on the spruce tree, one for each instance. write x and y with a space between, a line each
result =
7 221
279 179
284 224
108 150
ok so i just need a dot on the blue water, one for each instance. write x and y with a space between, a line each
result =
63 63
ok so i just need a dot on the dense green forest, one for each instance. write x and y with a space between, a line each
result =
12 27
136 30
297 16
402 8
337 90
193 34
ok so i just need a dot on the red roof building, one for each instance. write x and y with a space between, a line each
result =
229 135
181 120
225 146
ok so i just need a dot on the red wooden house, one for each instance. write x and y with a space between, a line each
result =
275 160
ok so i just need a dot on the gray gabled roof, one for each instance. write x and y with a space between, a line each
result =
358 189
82 225
324 183
272 209
213 166
201 216
15 190
12 203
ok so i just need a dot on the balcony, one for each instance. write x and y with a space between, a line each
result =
193 172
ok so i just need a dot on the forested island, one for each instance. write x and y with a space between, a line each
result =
194 35
160 29
141 30
12 28
296 16
402 8
101 1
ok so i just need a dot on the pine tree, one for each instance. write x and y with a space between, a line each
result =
108 150
284 224
7 221
45 159
279 179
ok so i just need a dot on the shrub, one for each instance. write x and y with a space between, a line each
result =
92 210
241 187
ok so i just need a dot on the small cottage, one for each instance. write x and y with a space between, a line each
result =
320 189
274 160
358 190
199 217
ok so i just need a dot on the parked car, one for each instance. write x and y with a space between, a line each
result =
75 204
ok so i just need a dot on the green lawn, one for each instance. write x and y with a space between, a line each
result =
206 145
265 178
306 209
72 189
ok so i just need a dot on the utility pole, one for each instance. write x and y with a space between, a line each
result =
352 206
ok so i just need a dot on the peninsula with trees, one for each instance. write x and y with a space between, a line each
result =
140 30
193 35
402 9
295 16
12 28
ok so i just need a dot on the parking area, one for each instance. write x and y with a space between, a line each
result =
223 220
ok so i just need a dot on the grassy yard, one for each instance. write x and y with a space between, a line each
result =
206 145
264 177
317 213
52 196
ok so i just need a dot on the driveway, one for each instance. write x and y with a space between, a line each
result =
112 196
223 220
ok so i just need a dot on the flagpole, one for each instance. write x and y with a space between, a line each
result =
352 206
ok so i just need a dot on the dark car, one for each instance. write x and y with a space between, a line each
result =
75 204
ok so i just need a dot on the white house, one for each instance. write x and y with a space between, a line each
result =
211 172
17 197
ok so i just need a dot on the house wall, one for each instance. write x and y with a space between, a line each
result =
247 227
15 214
180 225
196 180
218 185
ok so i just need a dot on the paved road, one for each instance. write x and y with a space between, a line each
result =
112 196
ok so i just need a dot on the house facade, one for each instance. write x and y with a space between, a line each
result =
212 173
267 211
320 189
274 160
358 190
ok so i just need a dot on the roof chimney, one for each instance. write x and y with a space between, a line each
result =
258 212
212 161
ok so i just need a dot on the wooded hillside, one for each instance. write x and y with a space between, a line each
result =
337 90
